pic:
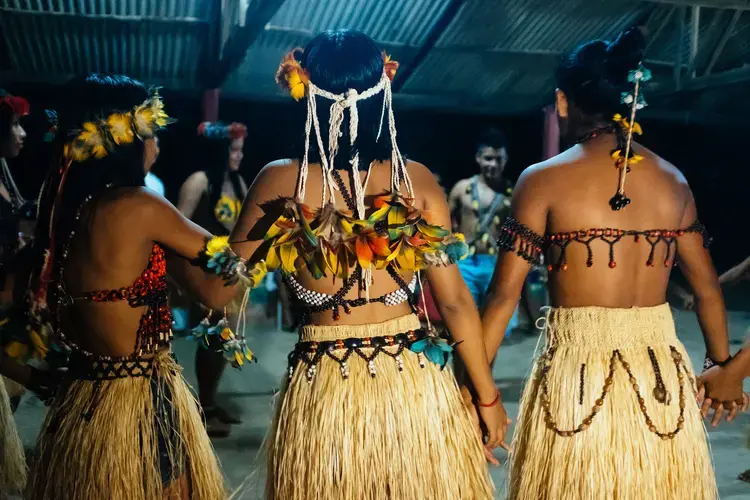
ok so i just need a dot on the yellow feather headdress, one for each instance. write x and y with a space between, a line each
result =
96 139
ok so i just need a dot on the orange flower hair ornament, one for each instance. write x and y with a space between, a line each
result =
389 66
292 76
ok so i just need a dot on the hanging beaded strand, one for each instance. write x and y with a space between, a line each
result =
636 101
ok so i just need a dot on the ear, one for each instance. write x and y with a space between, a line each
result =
561 103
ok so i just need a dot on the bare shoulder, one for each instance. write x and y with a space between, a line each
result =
130 207
535 177
197 181
672 171
423 178
277 170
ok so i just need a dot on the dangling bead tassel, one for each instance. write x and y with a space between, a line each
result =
344 370
311 370
619 200
371 367
400 363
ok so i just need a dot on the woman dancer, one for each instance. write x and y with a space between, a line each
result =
369 408
12 135
608 412
211 198
124 424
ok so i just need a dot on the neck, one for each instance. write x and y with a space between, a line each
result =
494 184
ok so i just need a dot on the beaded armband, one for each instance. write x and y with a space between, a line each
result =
218 258
515 237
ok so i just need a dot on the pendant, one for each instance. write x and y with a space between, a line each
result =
662 395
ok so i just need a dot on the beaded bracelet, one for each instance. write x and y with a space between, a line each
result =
219 258
490 405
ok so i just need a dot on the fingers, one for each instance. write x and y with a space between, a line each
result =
745 400
700 396
706 406
718 412
732 411
505 446
490 457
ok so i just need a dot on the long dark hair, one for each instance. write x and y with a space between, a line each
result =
339 60
93 97
217 166
594 76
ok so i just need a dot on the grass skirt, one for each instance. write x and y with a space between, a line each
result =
617 456
402 435
12 461
105 443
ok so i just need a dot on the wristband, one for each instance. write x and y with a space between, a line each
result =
494 401
710 363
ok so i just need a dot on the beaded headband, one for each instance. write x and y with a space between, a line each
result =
218 130
18 105
96 139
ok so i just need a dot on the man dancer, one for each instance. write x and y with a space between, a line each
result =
479 205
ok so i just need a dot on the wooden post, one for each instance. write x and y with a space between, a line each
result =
211 105
551 134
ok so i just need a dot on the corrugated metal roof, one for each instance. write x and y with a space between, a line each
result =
395 21
494 56
172 9
150 40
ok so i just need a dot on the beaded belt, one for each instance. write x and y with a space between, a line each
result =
83 367
341 350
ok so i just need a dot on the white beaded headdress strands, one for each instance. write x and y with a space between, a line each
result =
297 81
624 155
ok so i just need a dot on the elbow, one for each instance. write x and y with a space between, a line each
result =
458 305
220 298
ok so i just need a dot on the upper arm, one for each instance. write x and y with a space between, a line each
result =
259 211
165 225
694 258
529 206
455 195
446 284
184 241
190 193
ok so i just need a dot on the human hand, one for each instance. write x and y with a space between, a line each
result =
496 422
720 391
468 400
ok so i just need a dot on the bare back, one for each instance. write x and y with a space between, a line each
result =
578 186
111 249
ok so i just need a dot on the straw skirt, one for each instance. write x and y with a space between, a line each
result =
12 461
126 438
610 412
376 433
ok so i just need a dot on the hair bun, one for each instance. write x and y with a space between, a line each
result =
624 55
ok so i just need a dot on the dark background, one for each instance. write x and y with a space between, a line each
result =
713 158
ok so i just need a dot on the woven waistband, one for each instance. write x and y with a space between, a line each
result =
394 326
84 367
595 328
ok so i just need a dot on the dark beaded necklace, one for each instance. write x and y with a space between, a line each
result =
604 129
